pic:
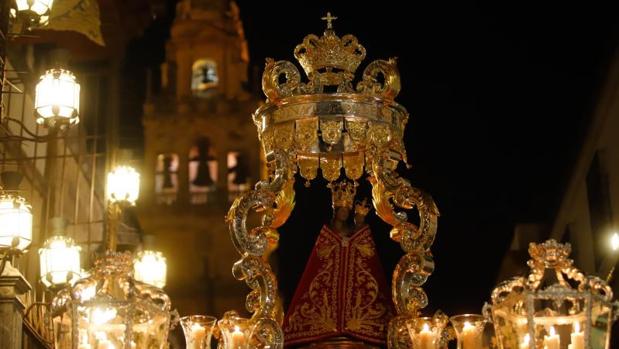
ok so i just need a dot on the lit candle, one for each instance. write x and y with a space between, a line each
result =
526 342
197 337
552 341
238 338
578 338
426 339
470 337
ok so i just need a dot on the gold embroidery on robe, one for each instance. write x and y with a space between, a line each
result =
343 291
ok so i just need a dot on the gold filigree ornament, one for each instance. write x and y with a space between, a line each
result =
330 123
555 297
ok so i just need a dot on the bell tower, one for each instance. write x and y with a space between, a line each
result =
200 153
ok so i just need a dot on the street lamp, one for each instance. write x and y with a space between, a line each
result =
40 7
123 185
59 258
57 98
35 11
15 226
123 189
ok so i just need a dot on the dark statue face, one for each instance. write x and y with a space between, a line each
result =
342 213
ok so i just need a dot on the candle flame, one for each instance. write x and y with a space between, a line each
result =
614 241
467 326
527 339
577 327
426 328
552 331
237 329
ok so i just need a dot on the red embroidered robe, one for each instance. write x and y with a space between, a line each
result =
343 292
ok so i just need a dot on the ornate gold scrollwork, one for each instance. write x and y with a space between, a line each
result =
271 85
389 87
252 267
413 269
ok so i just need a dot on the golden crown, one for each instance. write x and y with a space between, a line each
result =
343 193
330 58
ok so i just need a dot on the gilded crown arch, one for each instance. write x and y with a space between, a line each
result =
325 121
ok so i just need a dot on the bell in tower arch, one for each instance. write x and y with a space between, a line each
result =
202 176
167 172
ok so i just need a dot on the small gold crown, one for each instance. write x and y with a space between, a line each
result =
362 208
342 193
330 58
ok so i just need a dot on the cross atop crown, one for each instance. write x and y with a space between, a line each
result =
329 18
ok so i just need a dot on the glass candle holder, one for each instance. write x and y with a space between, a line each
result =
198 330
469 330
425 332
235 332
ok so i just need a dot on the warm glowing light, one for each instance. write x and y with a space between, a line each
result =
57 98
425 328
614 241
60 261
552 331
101 316
527 340
15 223
576 327
123 185
150 267
40 7
87 293
467 326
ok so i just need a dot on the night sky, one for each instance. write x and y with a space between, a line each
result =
499 95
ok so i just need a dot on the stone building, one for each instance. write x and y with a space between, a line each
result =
62 175
200 152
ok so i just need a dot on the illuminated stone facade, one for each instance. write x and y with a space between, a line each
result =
200 151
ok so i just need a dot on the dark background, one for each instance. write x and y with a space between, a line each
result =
500 95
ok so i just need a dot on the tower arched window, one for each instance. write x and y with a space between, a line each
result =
166 178
238 174
203 77
202 171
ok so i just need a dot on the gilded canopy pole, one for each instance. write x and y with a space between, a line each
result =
253 245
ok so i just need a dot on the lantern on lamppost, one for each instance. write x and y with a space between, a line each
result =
15 224
150 267
35 11
122 190
59 258
123 185
57 98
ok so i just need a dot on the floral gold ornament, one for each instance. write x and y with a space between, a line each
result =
329 123
555 307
